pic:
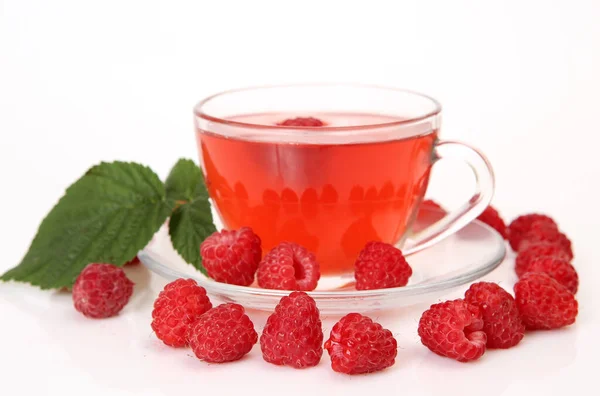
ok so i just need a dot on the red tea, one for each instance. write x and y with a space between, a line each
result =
330 198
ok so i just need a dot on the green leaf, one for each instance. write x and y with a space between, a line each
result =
191 222
108 215
183 180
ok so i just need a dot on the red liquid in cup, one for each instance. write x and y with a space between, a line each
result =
330 198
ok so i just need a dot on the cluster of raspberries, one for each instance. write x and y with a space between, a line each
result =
490 317
487 317
183 314
293 336
234 257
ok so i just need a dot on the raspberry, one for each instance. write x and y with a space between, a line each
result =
501 322
525 257
302 122
232 256
429 212
541 233
358 345
178 305
560 270
522 224
101 290
289 266
133 261
293 335
223 334
544 303
491 217
430 204
453 329
380 265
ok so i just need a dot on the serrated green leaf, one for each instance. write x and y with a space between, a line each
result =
191 222
108 215
183 180
189 225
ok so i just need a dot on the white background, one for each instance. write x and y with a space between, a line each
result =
85 81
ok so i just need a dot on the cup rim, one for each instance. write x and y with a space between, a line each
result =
324 130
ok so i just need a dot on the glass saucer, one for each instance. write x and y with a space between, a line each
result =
463 257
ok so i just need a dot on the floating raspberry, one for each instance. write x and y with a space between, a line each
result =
560 270
453 329
289 266
381 265
544 303
293 335
303 122
223 334
501 322
525 257
178 305
491 217
522 224
358 345
101 290
542 233
232 256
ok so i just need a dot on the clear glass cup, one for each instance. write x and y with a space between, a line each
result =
359 177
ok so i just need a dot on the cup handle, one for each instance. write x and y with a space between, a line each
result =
467 212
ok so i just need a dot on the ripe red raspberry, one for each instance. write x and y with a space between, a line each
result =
381 265
133 261
544 303
303 122
101 290
293 335
560 270
453 329
541 233
501 322
522 224
525 257
358 345
430 204
429 212
223 334
491 217
232 256
289 266
178 305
